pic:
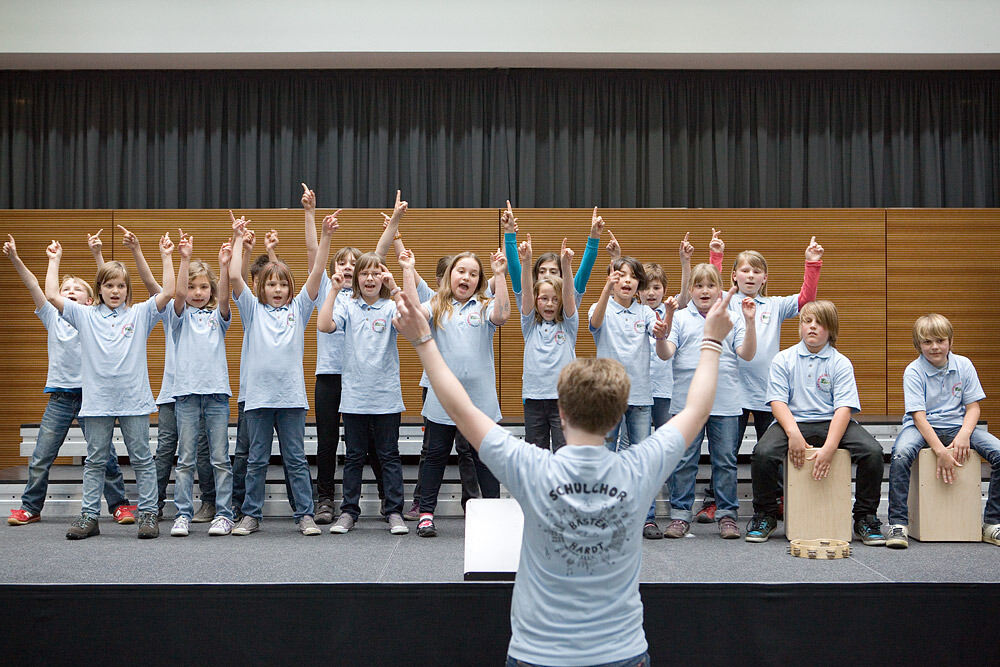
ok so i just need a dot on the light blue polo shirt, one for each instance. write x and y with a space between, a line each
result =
466 343
113 351
942 393
200 346
771 312
813 385
576 295
241 397
548 347
370 382
63 345
624 336
167 394
661 372
576 593
686 334
273 361
330 346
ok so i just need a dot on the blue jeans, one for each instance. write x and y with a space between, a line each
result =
361 433
201 415
135 432
661 415
636 420
290 423
62 408
722 447
240 463
637 661
166 449
908 444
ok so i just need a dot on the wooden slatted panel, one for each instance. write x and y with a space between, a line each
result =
21 332
945 261
853 274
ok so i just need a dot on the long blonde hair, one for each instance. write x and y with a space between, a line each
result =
441 301
199 268
109 270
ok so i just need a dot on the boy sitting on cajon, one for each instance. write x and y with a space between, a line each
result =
813 393
941 394
576 594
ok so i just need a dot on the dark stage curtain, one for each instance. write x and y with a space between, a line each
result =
473 138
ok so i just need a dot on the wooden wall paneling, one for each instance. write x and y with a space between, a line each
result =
23 337
945 261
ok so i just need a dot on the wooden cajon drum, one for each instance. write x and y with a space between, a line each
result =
942 512
817 509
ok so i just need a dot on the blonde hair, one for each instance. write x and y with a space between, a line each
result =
365 261
825 314
754 259
593 393
109 270
199 268
931 326
86 285
655 272
279 269
341 255
704 272
441 301
557 285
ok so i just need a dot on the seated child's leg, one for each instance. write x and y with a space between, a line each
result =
722 446
988 446
216 413
908 444
683 479
439 441
765 467
555 424
761 421
135 432
866 453
98 432
291 426
356 435
260 434
536 423
166 448
385 430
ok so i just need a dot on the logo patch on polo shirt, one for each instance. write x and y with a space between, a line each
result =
956 390
639 326
128 330
765 316
560 337
378 326
824 383
474 319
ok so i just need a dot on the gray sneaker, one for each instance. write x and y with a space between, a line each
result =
149 526
307 526
324 512
204 514
896 538
396 525
83 526
344 523
246 526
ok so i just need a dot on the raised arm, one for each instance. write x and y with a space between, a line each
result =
701 392
330 225
527 279
686 252
391 231
185 246
664 348
412 323
589 253
239 246
249 241
271 245
568 292
131 241
325 322
614 248
164 296
748 349
716 250
511 249
601 307
309 208
225 257
407 262
810 275
27 277
96 246
54 253
501 303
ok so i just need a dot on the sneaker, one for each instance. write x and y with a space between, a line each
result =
396 525
991 533
344 523
426 526
307 526
148 526
125 514
180 527
896 539
221 526
22 517
728 530
760 527
707 512
246 526
412 514
651 531
204 514
677 528
869 529
83 526
324 512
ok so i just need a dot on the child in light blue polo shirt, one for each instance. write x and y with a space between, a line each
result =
113 338
275 323
813 394
941 393
549 324
683 347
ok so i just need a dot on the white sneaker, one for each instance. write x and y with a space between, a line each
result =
897 536
221 526
180 528
246 526
344 523
396 525
991 533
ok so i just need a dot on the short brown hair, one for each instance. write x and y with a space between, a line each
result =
342 254
930 326
279 269
655 272
109 270
634 265
825 313
593 394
